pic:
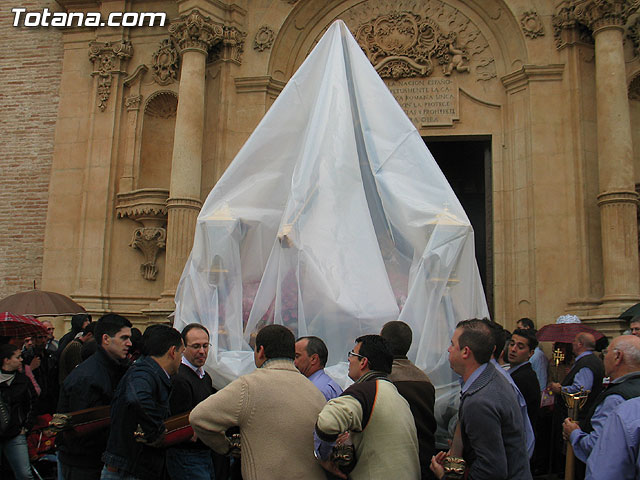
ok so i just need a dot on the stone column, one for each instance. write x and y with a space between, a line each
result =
617 199
193 35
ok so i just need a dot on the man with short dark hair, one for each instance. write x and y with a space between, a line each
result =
71 357
384 437
416 388
275 408
539 361
311 358
634 326
140 407
521 347
92 384
490 420
622 366
191 385
78 322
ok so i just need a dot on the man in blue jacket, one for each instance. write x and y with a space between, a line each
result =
141 402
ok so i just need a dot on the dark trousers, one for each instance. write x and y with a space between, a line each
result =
70 472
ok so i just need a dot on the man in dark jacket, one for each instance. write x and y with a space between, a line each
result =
141 404
191 385
78 322
522 346
416 388
491 424
92 384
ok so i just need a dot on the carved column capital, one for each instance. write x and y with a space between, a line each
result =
109 59
196 32
133 102
597 14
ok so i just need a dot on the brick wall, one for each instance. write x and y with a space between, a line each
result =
30 69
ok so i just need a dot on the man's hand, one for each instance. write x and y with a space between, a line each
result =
568 426
437 464
555 387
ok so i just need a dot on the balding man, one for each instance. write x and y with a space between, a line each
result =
622 365
586 374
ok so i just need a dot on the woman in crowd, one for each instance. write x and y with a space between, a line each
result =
16 392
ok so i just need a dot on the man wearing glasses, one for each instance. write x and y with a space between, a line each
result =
192 459
384 437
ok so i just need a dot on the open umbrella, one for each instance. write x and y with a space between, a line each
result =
40 303
13 325
565 332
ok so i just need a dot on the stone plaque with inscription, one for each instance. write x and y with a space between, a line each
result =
428 102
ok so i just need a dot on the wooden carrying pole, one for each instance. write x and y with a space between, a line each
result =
574 401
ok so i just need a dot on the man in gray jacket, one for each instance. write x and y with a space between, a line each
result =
490 420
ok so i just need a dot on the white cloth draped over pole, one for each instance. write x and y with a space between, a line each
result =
333 219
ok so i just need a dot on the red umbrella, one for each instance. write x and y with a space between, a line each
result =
12 325
565 332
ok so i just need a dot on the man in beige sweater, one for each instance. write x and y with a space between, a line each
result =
275 408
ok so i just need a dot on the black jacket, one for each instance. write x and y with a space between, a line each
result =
20 397
90 384
527 382
142 398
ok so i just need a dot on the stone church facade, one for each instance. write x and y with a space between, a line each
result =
141 122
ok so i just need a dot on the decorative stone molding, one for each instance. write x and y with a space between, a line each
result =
565 20
634 35
264 84
532 24
166 63
149 241
109 59
147 206
133 102
404 39
264 39
634 88
195 32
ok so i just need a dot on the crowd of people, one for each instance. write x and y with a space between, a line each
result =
290 419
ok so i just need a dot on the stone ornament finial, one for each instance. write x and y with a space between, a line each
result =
532 24
149 240
264 39
109 59
195 32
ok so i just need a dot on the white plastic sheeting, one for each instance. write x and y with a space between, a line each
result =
333 219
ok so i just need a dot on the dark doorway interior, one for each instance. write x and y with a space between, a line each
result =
467 165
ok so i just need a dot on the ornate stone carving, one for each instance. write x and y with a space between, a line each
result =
133 102
109 59
147 206
405 38
592 14
634 35
532 24
264 39
403 44
634 88
166 63
149 241
195 31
